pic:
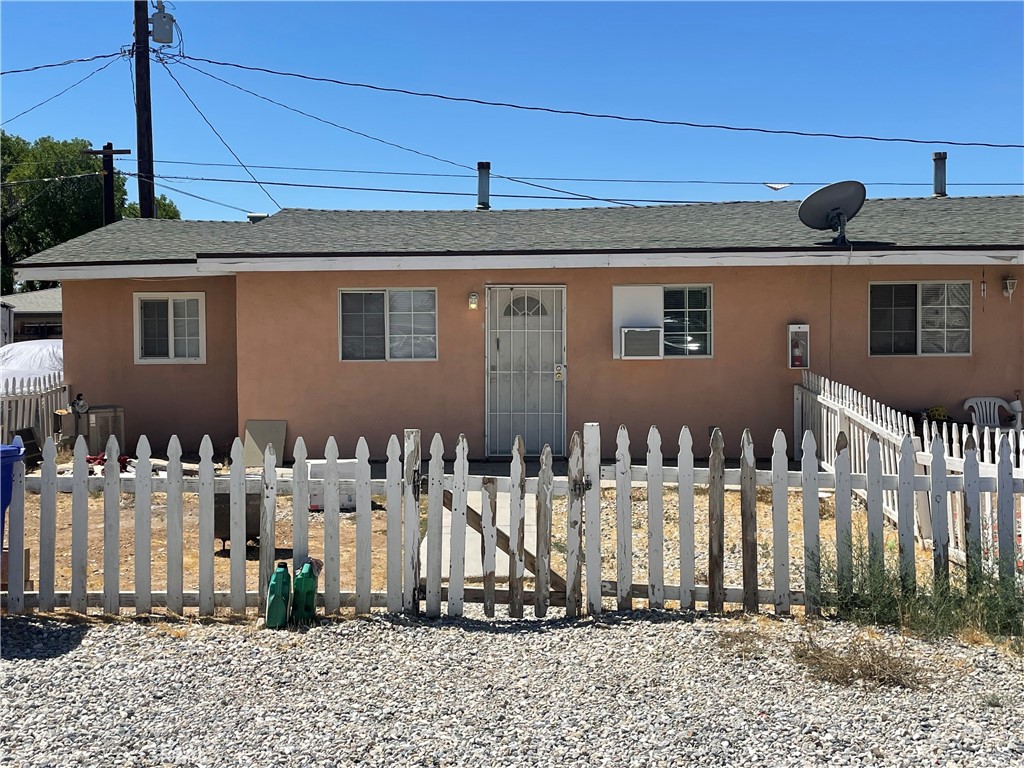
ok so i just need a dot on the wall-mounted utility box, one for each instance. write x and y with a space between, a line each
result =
799 346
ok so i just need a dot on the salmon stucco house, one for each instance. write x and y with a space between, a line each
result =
532 322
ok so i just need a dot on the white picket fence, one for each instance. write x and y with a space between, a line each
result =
31 402
827 408
582 588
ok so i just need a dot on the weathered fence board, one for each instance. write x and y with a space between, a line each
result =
206 601
574 532
623 520
686 519
516 525
435 512
143 527
237 526
780 523
47 525
411 504
332 528
716 524
457 545
655 520
364 525
545 480
396 595
748 521
175 529
592 513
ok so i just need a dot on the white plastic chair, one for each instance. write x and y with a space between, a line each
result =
984 411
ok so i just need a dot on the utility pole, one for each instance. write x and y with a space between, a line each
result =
144 112
108 152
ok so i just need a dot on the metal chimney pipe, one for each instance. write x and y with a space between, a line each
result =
483 189
940 174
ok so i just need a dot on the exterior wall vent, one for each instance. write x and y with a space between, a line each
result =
641 344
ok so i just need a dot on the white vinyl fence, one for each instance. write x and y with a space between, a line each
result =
31 402
412 585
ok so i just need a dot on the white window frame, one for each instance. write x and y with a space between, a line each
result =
711 320
170 297
387 327
917 314
643 306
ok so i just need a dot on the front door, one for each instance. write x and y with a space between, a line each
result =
525 369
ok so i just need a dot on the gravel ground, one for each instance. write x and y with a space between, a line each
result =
643 689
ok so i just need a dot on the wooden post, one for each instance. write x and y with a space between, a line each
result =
623 521
972 516
143 112
79 527
457 547
435 512
238 532
175 529
780 522
592 513
268 521
516 528
812 554
748 521
364 529
488 541
111 530
716 523
684 463
655 522
206 527
332 528
574 532
542 583
411 502
394 533
143 528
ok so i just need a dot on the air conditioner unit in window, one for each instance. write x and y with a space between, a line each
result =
102 421
641 344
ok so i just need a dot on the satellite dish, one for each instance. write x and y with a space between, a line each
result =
832 206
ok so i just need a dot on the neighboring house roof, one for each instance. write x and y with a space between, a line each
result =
989 223
47 301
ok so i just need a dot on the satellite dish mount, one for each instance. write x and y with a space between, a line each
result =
832 207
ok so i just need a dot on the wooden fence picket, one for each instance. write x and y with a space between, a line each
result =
489 540
623 521
748 521
812 554
435 521
268 523
684 464
206 501
411 504
47 526
542 582
393 484
574 529
300 504
716 522
111 529
236 484
79 528
655 521
364 527
940 525
457 544
16 537
516 524
1004 513
592 513
905 512
780 522
844 522
175 530
332 527
143 528
876 540
972 519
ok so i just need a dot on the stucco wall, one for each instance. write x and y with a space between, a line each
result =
159 400
288 365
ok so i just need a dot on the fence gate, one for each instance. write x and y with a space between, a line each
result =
526 369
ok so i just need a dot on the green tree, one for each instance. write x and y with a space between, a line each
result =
38 214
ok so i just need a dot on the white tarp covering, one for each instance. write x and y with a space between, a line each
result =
30 359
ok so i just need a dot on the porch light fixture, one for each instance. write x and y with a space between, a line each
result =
1009 286
474 300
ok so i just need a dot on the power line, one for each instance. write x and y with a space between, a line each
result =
188 194
61 93
52 178
600 115
61 63
305 185
383 141
312 169
216 132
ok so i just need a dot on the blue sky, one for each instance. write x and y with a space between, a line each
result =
950 71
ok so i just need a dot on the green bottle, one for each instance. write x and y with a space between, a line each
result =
304 603
277 597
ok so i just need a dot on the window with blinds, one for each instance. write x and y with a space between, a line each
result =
389 325
932 318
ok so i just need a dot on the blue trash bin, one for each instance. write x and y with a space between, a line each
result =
9 455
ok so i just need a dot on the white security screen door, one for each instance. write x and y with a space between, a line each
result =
525 369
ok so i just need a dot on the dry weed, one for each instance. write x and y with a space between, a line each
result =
862 661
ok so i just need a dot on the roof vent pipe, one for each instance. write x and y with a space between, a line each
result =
940 174
483 189
255 217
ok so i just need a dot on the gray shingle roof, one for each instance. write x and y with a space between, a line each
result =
978 222
48 300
